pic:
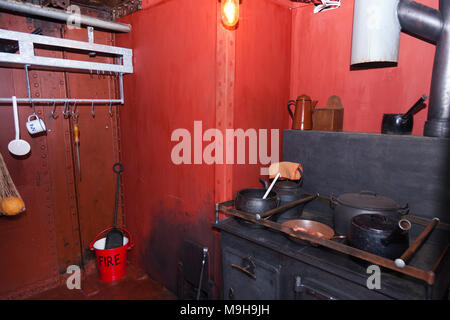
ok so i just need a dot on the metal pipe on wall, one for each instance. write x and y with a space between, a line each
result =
438 119
376 32
35 10
420 20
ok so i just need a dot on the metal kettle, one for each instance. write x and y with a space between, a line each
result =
288 191
302 117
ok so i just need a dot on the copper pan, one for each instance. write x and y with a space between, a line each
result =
311 227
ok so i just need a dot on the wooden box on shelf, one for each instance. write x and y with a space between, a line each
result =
329 118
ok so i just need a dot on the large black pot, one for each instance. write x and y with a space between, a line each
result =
382 235
349 205
288 191
251 200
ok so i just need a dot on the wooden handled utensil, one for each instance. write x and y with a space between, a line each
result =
408 254
76 136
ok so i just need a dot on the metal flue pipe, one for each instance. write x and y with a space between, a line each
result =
376 33
55 14
420 20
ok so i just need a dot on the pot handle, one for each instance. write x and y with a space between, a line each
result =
301 174
291 102
368 192
264 182
333 202
405 210
403 226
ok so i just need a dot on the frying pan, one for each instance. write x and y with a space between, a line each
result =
311 226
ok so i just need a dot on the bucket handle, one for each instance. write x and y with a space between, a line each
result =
130 243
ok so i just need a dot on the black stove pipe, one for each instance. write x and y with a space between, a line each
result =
376 34
420 20
433 25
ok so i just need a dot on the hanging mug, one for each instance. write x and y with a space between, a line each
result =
35 126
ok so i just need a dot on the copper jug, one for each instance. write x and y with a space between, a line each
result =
302 118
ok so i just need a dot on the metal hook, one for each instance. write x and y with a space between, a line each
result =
66 110
92 110
74 114
29 89
110 108
54 110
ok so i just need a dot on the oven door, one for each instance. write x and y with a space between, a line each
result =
248 278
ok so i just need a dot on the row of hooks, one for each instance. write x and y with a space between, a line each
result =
66 101
67 112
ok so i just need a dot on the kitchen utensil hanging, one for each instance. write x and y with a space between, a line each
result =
76 137
18 146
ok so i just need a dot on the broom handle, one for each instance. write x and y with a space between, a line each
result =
117 171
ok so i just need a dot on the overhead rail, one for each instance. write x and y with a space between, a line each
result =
56 14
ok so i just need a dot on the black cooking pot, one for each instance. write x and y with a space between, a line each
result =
251 201
398 123
349 205
382 235
288 191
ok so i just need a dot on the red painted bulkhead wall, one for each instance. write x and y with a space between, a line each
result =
174 84
321 50
263 50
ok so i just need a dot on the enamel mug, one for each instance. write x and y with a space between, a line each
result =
36 125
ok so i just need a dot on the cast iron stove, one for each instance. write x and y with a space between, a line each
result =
264 263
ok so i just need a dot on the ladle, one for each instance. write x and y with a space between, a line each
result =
17 146
271 186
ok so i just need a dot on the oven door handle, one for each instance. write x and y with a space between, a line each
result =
301 288
248 267
316 293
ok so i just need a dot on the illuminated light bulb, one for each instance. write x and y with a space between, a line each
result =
230 12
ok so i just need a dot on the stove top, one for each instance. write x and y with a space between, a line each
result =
394 283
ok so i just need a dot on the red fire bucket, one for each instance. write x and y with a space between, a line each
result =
111 263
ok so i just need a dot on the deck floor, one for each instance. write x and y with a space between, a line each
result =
135 285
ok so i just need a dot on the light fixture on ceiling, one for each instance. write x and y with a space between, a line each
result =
230 12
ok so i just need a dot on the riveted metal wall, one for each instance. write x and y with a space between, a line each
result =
63 212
